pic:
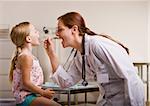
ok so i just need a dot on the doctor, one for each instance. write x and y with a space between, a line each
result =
99 56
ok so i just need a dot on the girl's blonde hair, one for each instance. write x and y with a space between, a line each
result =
18 36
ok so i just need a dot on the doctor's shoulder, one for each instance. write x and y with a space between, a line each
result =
96 40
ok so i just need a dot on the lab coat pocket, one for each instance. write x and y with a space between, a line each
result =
102 75
103 78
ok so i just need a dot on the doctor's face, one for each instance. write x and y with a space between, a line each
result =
65 34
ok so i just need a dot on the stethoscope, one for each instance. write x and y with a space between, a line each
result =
84 82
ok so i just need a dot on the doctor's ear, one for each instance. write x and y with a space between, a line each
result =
28 39
75 28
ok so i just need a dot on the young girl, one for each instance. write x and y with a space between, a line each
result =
26 74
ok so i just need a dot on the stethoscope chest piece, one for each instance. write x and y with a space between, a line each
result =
84 83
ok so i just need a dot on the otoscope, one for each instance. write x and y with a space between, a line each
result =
46 31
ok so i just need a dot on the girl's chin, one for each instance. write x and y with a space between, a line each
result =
38 44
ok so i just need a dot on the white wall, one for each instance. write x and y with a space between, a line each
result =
125 21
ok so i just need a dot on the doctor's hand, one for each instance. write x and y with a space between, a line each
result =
48 93
49 46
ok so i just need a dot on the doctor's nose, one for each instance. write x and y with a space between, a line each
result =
56 33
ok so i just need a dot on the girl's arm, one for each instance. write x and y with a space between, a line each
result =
26 62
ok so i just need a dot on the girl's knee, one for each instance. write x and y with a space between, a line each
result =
53 103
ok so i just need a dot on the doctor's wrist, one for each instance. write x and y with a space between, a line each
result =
51 54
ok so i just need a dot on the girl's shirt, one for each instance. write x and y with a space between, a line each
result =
36 77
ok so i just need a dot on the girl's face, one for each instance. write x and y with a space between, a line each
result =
34 35
65 34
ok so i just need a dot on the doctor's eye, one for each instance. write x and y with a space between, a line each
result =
59 29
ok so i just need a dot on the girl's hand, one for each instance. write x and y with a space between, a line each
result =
49 46
48 93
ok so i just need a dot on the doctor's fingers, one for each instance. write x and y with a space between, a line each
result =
46 44
49 42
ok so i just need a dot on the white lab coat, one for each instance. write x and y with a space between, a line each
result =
104 55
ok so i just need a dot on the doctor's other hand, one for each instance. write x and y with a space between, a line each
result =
49 46
48 93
